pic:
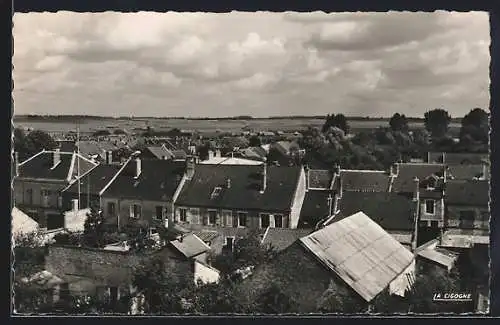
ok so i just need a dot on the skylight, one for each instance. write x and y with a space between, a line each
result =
216 192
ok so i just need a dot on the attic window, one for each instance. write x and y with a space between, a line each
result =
215 192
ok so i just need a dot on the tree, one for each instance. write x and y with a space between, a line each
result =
254 141
436 122
29 144
214 298
399 122
475 125
93 233
338 120
274 300
341 300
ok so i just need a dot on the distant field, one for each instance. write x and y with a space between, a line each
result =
91 125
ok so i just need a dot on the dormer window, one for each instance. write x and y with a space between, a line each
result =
216 192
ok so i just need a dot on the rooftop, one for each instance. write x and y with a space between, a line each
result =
455 158
230 161
94 180
364 180
315 207
467 192
404 181
465 172
190 245
245 187
361 253
320 179
281 238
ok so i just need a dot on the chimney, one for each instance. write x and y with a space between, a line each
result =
228 183
138 167
395 169
109 157
330 205
443 157
74 204
218 153
56 157
190 165
416 191
210 154
264 178
16 163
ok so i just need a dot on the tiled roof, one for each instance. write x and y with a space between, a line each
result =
95 180
190 245
361 253
160 152
254 152
281 238
315 207
358 180
206 235
453 158
391 211
245 186
41 166
157 182
465 172
473 193
230 161
319 178
404 181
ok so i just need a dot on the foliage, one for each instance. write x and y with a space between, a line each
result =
339 121
274 300
254 141
399 122
475 127
214 298
68 238
436 122
29 144
340 300
93 233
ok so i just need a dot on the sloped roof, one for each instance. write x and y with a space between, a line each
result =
158 180
467 192
206 235
160 152
190 245
282 238
361 253
439 256
364 180
230 161
41 166
244 192
320 178
404 181
465 172
22 223
464 238
392 211
315 207
95 180
253 152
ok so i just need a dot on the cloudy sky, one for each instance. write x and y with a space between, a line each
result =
259 64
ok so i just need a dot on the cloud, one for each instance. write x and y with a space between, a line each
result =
199 64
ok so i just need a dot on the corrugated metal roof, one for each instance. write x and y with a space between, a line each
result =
360 252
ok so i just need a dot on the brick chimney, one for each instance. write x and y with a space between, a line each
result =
138 167
416 190
218 153
264 178
56 157
190 166
16 163
395 169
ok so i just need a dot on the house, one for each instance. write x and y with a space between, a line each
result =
431 258
253 153
467 204
217 160
156 152
22 224
394 212
280 239
454 158
403 175
39 181
142 192
353 258
253 196
468 172
318 202
361 180
87 189
101 151
285 153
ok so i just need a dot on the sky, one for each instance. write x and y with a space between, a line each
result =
259 64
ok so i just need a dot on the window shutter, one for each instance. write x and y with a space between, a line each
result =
132 211
229 219
271 221
205 219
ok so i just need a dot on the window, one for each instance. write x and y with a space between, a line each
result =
212 217
29 196
264 220
216 192
111 209
278 221
195 215
227 217
135 211
159 213
242 219
45 192
183 214
429 206
229 243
